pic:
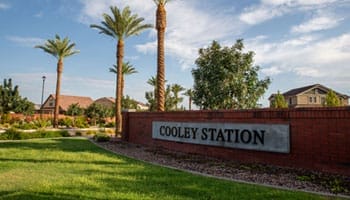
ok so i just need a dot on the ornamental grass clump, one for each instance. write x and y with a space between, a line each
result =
101 137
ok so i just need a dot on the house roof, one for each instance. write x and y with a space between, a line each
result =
66 101
111 99
304 89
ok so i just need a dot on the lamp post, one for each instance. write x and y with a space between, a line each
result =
42 95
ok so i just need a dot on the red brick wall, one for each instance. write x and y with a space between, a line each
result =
319 137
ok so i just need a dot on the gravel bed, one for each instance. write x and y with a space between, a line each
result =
254 173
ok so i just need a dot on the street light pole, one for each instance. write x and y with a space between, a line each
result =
42 95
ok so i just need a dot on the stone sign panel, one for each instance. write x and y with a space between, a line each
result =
260 137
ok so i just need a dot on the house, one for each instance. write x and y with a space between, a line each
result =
309 96
108 102
142 106
65 101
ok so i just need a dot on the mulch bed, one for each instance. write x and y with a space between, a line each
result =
254 173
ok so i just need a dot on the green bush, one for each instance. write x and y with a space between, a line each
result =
14 134
89 132
42 123
5 118
110 125
81 122
10 134
67 122
101 137
24 125
78 133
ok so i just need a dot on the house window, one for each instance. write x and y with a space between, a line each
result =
315 100
323 100
50 104
290 101
310 99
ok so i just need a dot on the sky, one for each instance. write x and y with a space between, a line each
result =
296 43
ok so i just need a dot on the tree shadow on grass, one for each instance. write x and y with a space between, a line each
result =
63 144
13 195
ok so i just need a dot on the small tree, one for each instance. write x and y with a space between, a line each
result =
225 78
332 99
10 100
97 113
75 110
279 102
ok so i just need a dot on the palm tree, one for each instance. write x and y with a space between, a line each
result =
189 93
176 89
60 49
120 26
160 26
128 69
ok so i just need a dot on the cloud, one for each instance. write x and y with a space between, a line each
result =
188 28
270 9
4 6
306 56
25 41
318 23
258 14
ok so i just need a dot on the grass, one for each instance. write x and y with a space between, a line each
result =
74 168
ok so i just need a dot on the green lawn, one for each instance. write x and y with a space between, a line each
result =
74 168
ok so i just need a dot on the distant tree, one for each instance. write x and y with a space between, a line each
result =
24 106
10 99
176 89
332 99
75 110
279 102
128 69
169 99
151 96
151 101
121 25
225 78
97 113
60 49
129 103
189 93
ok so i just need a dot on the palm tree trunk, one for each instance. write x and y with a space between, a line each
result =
189 103
58 88
118 114
160 25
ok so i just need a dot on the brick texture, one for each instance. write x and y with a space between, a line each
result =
320 137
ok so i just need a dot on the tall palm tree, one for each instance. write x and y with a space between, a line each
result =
128 69
60 49
160 26
120 25
189 93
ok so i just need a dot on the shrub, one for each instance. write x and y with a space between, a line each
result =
10 134
42 123
67 122
14 134
89 132
5 118
110 125
102 137
78 133
24 125
81 122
